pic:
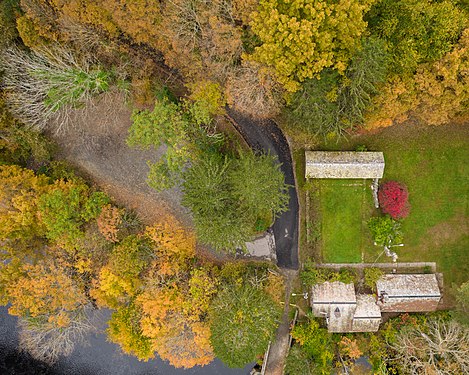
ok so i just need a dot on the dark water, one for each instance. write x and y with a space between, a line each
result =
97 357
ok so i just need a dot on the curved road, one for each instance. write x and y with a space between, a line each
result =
265 136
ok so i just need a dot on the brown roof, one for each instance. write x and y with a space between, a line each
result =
344 164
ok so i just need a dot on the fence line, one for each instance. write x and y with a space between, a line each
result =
266 356
396 265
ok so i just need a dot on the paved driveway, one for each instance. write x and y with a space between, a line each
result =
266 136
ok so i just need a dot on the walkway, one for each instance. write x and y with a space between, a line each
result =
280 346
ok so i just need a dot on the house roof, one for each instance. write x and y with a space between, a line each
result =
367 307
408 293
367 317
333 292
344 164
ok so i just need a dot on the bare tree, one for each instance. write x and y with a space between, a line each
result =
253 90
47 341
439 347
47 85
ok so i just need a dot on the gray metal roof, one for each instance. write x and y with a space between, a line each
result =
333 292
408 293
344 164
367 317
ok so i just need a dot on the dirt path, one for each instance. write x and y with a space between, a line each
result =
279 347
96 146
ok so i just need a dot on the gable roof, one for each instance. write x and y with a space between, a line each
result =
367 317
333 292
344 164
408 293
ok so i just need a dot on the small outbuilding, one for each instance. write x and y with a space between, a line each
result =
408 293
344 164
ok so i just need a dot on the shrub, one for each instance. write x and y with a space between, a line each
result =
385 230
372 275
393 199
312 275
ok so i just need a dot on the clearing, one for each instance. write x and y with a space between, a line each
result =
433 163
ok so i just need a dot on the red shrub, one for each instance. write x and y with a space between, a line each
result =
392 198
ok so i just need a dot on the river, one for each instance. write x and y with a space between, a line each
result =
96 357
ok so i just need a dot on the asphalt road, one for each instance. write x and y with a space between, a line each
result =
266 136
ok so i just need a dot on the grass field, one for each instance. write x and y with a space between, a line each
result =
344 205
434 164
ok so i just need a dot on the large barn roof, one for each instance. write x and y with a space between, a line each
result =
344 164
408 293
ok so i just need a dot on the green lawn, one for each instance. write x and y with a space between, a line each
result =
344 205
434 164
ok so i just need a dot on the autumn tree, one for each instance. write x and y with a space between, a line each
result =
300 39
417 32
47 341
316 342
201 39
252 89
20 190
439 347
51 304
435 91
242 320
393 199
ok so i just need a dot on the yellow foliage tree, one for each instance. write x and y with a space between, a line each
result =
19 193
300 38
45 291
435 94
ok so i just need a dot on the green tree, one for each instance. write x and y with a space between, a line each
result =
299 362
124 329
417 31
164 125
462 303
334 104
66 206
300 38
317 342
259 185
372 275
218 220
8 11
242 321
